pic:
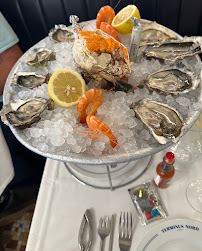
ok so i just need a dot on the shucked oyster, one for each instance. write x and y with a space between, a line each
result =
61 33
171 81
101 56
22 113
172 50
29 79
39 57
163 121
154 33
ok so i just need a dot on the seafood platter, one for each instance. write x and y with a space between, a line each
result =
147 105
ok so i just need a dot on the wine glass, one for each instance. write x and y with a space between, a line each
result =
189 148
187 151
194 194
194 189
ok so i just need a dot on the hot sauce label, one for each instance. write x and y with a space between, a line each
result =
158 180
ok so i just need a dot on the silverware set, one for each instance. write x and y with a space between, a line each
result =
106 228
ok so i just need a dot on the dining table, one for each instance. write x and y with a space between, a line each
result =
63 199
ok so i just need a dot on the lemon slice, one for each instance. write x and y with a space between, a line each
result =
122 21
66 86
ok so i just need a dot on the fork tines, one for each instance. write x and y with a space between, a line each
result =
104 222
125 231
104 227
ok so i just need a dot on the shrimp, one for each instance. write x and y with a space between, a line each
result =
105 14
107 28
97 127
88 103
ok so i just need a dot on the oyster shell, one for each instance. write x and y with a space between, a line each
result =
101 56
154 33
163 121
22 113
61 33
29 79
170 81
172 50
39 57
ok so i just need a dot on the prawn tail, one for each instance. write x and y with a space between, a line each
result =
92 133
113 141
82 116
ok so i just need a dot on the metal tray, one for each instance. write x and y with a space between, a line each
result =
83 158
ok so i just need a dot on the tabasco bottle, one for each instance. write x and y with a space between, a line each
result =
165 170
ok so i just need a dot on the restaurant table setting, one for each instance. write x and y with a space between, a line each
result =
63 201
106 139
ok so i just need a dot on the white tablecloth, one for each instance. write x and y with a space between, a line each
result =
62 201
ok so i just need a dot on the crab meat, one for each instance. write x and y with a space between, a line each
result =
101 56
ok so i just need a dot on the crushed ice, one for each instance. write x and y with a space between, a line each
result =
59 130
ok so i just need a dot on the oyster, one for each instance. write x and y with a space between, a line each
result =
170 81
172 50
22 113
162 120
29 79
154 33
61 33
101 56
39 57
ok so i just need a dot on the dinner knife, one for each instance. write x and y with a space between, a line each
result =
111 237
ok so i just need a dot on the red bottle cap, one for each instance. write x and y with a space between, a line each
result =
169 158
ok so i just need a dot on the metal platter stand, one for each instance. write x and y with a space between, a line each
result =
113 170
110 176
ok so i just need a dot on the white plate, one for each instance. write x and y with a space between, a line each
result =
173 235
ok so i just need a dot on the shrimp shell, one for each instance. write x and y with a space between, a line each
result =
105 14
107 28
99 127
89 102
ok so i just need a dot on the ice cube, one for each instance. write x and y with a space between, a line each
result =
57 140
35 132
145 135
183 101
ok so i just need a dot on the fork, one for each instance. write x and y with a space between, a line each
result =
103 230
125 231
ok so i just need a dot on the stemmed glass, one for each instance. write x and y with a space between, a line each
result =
194 194
188 150
194 189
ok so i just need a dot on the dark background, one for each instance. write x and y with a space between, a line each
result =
32 19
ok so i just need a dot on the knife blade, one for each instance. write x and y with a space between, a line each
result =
111 237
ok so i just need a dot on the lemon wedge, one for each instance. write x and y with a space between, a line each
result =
66 86
122 21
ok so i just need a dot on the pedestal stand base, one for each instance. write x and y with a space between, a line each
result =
109 176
